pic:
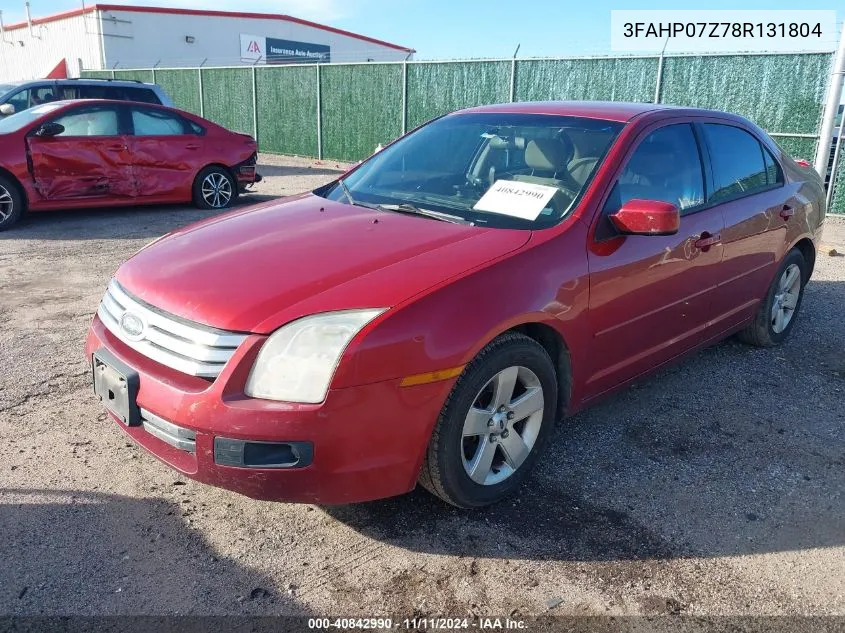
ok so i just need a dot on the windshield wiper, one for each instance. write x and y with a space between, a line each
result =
348 195
410 209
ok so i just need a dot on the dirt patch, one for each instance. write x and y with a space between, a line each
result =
713 488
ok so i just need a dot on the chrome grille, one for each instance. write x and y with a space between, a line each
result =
192 348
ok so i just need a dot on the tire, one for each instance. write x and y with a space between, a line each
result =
786 293
453 454
11 202
214 188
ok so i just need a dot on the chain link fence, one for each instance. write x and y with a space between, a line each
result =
342 111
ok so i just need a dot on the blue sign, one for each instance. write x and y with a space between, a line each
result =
289 52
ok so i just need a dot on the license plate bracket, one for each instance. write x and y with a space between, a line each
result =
116 385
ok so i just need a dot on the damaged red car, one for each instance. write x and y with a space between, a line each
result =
96 153
431 315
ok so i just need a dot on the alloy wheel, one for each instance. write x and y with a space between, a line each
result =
7 204
786 298
502 425
216 190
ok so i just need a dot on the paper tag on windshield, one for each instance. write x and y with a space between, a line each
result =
518 199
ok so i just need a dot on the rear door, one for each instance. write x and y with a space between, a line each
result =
758 208
652 297
166 150
90 159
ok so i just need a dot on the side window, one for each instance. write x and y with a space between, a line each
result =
774 175
42 94
144 95
738 161
97 121
93 92
68 92
20 100
665 166
157 123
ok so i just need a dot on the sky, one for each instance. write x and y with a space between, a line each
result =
444 29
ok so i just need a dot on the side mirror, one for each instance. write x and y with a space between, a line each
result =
50 129
647 217
6 109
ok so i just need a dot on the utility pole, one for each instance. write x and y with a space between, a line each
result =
831 108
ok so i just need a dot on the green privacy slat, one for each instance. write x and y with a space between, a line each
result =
227 97
626 79
134 75
361 107
435 89
95 74
798 147
781 93
182 86
362 104
287 110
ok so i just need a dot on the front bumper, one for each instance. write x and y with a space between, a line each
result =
366 442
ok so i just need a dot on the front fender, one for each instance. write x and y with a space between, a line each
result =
544 282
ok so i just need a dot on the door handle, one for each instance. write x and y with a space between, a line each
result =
786 212
192 146
116 148
707 240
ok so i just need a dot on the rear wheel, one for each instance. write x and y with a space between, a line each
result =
494 424
11 203
779 310
214 188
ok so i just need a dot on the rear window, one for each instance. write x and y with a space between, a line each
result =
740 164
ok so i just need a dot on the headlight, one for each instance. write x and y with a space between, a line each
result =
297 362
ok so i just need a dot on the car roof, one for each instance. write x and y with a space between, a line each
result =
83 102
78 82
620 111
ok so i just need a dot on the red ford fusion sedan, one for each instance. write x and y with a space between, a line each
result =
95 153
430 315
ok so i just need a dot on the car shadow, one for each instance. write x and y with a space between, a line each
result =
140 555
734 451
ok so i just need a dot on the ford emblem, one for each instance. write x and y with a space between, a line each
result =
132 326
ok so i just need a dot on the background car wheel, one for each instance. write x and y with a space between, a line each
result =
778 311
494 424
11 203
214 188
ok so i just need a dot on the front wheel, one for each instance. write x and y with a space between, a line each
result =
778 311
214 188
495 423
11 203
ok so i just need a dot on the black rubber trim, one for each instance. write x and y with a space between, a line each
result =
247 453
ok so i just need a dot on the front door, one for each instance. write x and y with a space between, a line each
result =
653 297
89 159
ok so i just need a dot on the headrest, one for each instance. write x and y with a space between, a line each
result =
513 142
650 159
547 154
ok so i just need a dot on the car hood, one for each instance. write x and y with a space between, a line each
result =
257 269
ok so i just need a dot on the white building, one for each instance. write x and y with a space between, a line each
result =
105 36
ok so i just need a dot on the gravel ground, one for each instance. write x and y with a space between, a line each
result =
715 487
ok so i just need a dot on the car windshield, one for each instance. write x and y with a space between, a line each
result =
16 121
502 170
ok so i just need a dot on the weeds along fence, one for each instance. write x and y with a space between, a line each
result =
342 111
